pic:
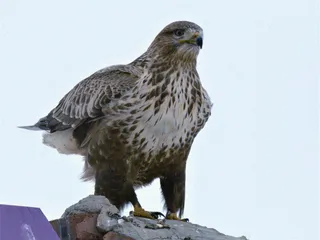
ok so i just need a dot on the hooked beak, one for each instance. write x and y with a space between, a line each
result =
199 41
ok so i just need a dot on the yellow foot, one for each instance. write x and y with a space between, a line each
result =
173 216
140 212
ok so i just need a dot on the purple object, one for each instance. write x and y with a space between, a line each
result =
24 223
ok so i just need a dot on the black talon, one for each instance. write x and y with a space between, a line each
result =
156 214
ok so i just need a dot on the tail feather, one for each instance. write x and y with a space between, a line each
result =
41 125
31 127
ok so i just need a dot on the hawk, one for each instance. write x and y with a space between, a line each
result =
136 122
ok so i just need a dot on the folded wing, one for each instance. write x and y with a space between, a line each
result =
85 101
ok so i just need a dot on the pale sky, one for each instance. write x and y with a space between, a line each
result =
254 168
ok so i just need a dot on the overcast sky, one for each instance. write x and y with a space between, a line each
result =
253 170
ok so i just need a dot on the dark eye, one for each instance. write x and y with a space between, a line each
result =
179 32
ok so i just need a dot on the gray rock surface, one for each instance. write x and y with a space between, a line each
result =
108 220
142 228
92 204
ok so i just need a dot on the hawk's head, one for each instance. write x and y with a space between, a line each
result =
181 40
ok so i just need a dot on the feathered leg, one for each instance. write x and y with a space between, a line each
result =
111 183
173 190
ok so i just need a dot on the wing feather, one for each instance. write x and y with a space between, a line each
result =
85 101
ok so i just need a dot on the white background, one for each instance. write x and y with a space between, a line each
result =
253 170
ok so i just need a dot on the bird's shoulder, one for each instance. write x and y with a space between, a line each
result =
115 78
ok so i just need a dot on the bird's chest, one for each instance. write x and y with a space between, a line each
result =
164 138
159 118
170 118
171 127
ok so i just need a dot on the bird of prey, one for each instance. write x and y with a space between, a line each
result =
136 122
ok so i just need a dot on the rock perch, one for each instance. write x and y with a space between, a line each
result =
94 217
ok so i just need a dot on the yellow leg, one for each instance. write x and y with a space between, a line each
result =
140 212
173 216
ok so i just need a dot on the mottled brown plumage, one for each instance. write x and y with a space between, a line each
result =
134 123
